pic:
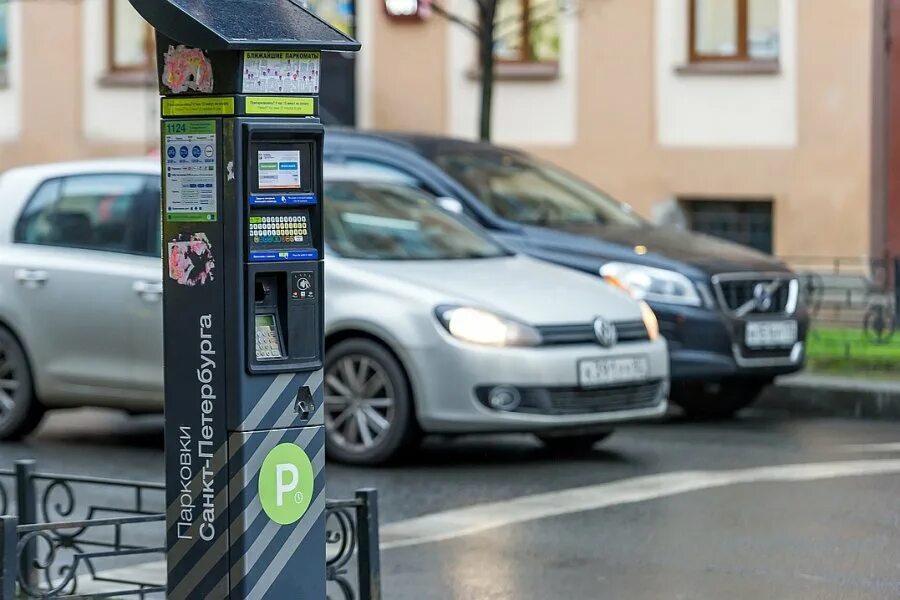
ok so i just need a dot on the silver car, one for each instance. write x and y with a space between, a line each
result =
431 326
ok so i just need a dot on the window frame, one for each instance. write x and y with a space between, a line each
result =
742 53
111 67
4 50
525 42
137 215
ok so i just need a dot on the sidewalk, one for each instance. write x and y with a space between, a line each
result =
833 396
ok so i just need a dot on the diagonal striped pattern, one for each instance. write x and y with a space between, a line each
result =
257 542
275 409
197 568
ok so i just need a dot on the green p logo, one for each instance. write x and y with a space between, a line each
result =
286 483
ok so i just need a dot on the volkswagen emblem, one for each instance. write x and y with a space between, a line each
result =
606 333
762 293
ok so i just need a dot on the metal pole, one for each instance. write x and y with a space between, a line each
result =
368 557
26 509
8 543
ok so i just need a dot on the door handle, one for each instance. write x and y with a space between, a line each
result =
31 278
148 290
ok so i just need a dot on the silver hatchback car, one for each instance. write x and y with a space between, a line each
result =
431 326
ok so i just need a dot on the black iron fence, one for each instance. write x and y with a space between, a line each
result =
853 304
115 547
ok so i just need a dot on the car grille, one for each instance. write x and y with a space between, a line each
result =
576 401
736 291
558 335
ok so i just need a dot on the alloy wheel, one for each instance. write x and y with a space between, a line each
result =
10 381
359 402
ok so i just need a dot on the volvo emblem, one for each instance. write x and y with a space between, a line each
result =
605 332
762 294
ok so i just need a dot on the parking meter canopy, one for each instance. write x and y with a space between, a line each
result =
242 25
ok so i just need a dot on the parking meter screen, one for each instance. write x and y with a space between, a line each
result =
279 170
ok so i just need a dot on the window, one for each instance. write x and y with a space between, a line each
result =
96 212
516 187
527 31
131 40
4 35
745 222
387 221
734 30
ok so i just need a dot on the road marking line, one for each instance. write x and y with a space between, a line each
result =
456 523
873 448
478 518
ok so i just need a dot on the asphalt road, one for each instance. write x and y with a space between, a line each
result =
763 507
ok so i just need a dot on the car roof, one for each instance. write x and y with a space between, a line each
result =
340 172
62 169
427 145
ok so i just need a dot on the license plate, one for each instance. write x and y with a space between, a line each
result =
770 334
607 371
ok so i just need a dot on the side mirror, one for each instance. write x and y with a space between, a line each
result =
451 205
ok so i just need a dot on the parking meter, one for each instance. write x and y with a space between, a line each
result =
241 153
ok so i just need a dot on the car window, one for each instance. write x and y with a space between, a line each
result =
96 212
380 170
388 221
521 189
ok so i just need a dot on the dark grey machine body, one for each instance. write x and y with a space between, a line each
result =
243 295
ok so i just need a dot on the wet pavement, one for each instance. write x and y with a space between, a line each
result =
762 507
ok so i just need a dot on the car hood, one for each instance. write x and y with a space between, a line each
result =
525 289
665 247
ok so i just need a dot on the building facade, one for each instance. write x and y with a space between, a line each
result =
765 121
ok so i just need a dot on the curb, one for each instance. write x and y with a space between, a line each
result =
829 396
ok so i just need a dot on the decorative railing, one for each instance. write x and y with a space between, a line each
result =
108 549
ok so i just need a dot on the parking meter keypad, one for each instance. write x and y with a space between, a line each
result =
267 345
281 229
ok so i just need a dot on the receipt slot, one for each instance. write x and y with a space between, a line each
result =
241 154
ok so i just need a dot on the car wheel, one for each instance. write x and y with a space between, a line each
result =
573 444
722 400
369 414
20 412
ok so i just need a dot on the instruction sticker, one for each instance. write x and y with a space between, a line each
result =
280 105
279 170
191 170
281 72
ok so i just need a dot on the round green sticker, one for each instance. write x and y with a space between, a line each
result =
286 483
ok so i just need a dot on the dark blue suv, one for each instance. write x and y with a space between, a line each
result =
733 316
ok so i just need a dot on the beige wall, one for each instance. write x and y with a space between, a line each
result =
409 84
51 92
819 179
820 182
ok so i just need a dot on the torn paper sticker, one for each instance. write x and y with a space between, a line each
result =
187 69
190 260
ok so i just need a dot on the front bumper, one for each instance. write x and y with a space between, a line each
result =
708 344
450 381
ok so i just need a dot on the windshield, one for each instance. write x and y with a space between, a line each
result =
388 221
525 190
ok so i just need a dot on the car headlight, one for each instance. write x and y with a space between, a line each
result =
650 321
652 284
479 326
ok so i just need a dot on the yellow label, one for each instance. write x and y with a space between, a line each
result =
280 105
197 105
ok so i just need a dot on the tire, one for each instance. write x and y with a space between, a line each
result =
20 411
722 400
573 444
363 378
